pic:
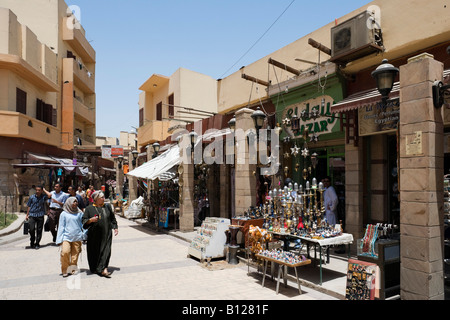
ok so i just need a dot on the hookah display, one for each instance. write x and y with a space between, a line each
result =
296 210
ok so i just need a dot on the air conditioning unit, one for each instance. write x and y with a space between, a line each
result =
355 38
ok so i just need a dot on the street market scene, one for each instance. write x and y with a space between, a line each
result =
319 171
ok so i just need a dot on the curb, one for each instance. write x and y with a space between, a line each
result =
15 226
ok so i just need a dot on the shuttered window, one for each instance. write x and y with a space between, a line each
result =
171 102
159 111
141 117
21 101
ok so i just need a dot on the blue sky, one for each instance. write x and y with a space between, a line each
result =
134 39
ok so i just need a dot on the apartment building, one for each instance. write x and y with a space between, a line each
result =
47 90
170 101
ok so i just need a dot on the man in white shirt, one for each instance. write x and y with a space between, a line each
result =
330 201
57 199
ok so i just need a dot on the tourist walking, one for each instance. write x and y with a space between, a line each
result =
100 220
57 199
70 235
35 215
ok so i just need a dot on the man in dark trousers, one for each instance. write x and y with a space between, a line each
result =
56 199
35 215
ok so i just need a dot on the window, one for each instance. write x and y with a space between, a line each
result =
159 111
171 102
45 112
141 117
21 101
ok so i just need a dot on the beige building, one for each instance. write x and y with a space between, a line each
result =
165 102
47 77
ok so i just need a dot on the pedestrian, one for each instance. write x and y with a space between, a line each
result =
82 194
89 193
100 220
70 235
57 199
73 193
35 215
330 201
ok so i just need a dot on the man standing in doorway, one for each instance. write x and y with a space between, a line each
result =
57 199
330 201
35 215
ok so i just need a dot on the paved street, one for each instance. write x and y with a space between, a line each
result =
145 265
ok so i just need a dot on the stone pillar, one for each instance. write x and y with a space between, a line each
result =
132 181
421 181
245 174
187 196
354 171
224 176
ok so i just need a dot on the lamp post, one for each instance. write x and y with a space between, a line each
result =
385 75
120 160
258 119
135 155
156 147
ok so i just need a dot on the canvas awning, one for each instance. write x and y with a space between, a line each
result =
159 166
360 99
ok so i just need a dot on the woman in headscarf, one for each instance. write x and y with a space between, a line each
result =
70 235
100 220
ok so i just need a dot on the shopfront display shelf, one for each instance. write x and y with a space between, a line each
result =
210 239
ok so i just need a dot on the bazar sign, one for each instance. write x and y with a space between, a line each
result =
325 122
379 117
109 152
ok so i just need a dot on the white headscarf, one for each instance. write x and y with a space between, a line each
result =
68 206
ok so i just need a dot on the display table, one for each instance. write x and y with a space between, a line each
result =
345 238
282 265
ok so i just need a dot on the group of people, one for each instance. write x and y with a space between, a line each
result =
71 221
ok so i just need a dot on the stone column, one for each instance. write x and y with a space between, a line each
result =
245 174
224 191
421 181
187 195
354 171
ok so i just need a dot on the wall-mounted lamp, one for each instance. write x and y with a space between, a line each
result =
232 124
120 160
295 124
385 75
135 154
441 94
193 137
156 146
258 119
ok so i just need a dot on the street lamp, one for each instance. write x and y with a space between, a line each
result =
193 137
120 160
232 124
295 124
385 75
135 154
258 118
156 147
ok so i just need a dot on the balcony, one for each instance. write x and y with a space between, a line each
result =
85 113
79 75
76 39
153 131
23 69
18 125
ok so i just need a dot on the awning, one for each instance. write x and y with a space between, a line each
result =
360 99
54 162
156 168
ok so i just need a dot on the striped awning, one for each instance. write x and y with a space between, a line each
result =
363 98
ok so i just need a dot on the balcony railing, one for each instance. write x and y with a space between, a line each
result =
76 39
18 125
87 114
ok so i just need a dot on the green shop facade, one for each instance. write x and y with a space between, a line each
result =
316 148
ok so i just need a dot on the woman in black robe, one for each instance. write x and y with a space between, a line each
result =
100 220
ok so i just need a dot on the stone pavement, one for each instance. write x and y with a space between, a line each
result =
145 265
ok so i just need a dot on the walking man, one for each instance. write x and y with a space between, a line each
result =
35 215
57 199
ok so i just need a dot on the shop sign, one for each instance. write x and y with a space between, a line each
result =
324 124
109 152
379 117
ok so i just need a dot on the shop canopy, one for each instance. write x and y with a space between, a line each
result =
48 162
159 167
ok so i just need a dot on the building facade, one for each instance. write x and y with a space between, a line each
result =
47 72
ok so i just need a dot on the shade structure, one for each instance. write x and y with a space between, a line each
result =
159 167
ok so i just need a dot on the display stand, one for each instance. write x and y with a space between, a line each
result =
282 269
210 239
388 260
